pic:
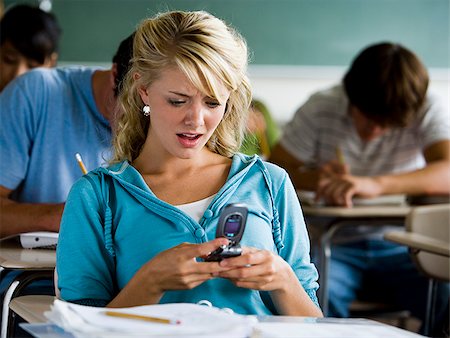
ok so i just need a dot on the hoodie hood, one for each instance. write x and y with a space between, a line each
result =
124 174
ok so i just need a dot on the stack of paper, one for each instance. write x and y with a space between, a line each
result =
189 320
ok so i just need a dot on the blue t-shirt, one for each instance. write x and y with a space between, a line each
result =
48 115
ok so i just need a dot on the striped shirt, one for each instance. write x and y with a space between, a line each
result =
323 123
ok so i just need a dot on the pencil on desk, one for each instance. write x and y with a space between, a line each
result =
340 155
141 317
80 163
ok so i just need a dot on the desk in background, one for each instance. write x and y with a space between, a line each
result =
34 264
340 217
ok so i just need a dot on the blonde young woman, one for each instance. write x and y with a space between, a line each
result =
135 233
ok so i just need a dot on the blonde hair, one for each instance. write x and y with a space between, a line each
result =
208 52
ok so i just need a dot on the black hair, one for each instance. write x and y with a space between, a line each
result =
33 32
122 59
387 83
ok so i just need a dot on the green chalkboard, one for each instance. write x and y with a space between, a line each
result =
278 32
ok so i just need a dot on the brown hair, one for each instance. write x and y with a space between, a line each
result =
388 84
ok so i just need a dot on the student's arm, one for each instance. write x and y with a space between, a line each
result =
434 178
16 217
304 179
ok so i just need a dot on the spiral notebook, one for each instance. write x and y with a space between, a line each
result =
39 240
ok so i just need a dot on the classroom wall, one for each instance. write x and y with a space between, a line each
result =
296 46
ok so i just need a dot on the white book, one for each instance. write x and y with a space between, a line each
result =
39 239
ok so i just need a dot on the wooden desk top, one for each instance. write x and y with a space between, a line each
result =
357 211
32 308
382 206
13 256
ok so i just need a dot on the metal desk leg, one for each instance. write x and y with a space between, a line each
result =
21 282
325 255
430 307
325 249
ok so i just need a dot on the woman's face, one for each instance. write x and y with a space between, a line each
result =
13 63
182 118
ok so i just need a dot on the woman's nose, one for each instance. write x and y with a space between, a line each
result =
194 115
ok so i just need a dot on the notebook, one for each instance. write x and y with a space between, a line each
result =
39 240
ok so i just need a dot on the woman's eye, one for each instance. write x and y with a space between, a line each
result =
176 102
213 104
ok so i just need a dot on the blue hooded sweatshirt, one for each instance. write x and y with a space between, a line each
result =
113 224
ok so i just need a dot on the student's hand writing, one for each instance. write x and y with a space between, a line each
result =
339 190
257 269
333 168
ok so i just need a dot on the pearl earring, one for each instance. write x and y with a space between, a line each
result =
146 110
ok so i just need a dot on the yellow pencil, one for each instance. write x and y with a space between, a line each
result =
141 317
80 163
340 155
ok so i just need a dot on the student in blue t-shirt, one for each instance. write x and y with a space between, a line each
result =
134 233
48 115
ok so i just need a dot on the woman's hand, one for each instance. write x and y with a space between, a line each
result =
172 269
256 269
178 269
266 271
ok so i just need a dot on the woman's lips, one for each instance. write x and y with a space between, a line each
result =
189 140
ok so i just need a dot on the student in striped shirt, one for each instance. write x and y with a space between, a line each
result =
395 139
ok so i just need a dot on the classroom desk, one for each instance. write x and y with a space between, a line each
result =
340 217
268 326
34 264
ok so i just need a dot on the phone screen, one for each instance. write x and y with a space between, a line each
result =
232 226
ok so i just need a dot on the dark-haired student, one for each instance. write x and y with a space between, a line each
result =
47 116
62 111
29 38
395 138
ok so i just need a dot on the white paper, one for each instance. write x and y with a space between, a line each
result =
196 320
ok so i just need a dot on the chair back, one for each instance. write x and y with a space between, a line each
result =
432 221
